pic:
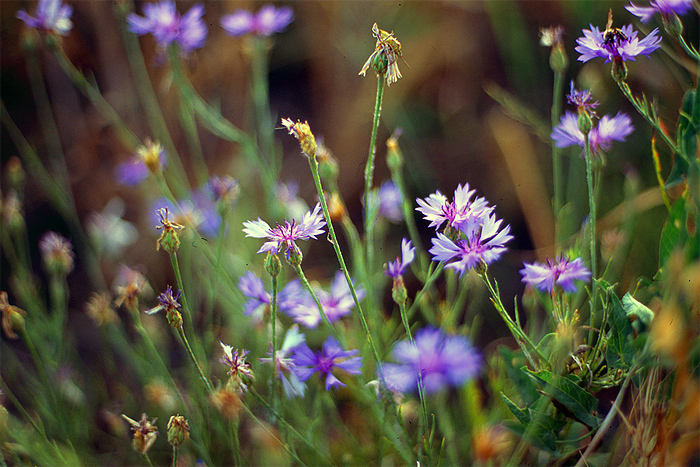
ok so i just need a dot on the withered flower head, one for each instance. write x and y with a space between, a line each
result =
169 238
12 317
144 433
387 52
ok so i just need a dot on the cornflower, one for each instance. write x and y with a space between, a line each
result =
390 202
238 367
269 20
285 365
434 358
310 226
56 253
169 302
223 189
666 8
169 238
615 45
168 27
395 269
483 244
601 136
330 357
336 304
463 211
259 299
581 98
149 158
51 16
561 272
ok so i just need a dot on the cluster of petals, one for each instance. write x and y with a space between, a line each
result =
336 303
462 212
269 20
396 268
168 27
238 367
329 358
435 359
310 226
625 46
665 7
561 272
285 365
483 242
601 136
582 99
288 299
51 15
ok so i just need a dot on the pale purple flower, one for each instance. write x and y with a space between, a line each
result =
561 272
438 359
396 268
483 244
223 188
463 211
336 304
581 98
267 21
310 226
665 7
56 253
601 136
390 202
108 231
285 364
51 15
259 299
134 170
330 357
168 27
621 47
238 367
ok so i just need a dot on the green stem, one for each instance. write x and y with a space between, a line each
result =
369 173
181 286
176 451
148 459
431 277
273 324
313 163
557 170
591 225
261 100
324 317
204 379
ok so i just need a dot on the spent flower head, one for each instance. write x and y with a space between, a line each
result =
561 272
667 8
51 16
169 302
329 358
99 309
56 253
144 433
129 285
552 36
168 27
268 20
169 239
239 370
384 59
435 359
601 136
149 158
12 317
302 132
178 430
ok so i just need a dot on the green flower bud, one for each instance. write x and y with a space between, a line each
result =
178 430
558 60
398 291
585 123
273 265
294 255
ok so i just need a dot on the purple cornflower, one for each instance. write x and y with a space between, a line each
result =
600 138
285 365
267 21
310 226
581 100
198 212
561 272
336 304
619 45
396 268
390 202
223 188
332 356
167 26
167 300
259 299
438 359
51 15
238 367
483 244
665 7
463 211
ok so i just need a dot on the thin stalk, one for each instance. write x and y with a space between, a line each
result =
591 224
369 171
557 170
426 287
313 163
324 317
181 286
58 290
261 99
147 459
176 451
273 325
190 126
407 208
204 379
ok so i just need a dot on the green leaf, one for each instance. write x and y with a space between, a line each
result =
619 351
687 130
576 401
535 427
674 233
636 309
526 389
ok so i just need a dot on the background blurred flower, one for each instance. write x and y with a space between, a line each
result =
561 272
51 15
440 360
259 299
167 26
285 365
665 7
56 253
609 129
336 304
390 202
108 231
267 21
331 356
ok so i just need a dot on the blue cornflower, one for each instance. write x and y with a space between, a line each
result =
51 15
390 202
331 356
259 299
463 211
310 226
336 304
622 45
581 98
396 268
439 359
561 272
601 136
267 21
665 7
239 369
168 27
483 243
285 365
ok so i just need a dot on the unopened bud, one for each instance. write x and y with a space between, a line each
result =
293 255
178 430
398 291
672 24
273 265
336 208
618 70
558 60
12 317
585 123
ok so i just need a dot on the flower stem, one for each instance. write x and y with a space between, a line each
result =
369 171
176 451
557 156
591 224
206 382
273 324
324 317
148 459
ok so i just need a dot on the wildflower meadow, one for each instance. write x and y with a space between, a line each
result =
350 233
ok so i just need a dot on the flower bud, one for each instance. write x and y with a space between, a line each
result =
12 317
585 123
394 158
672 24
618 70
336 208
15 173
57 254
398 291
12 213
293 255
558 60
178 430
273 265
